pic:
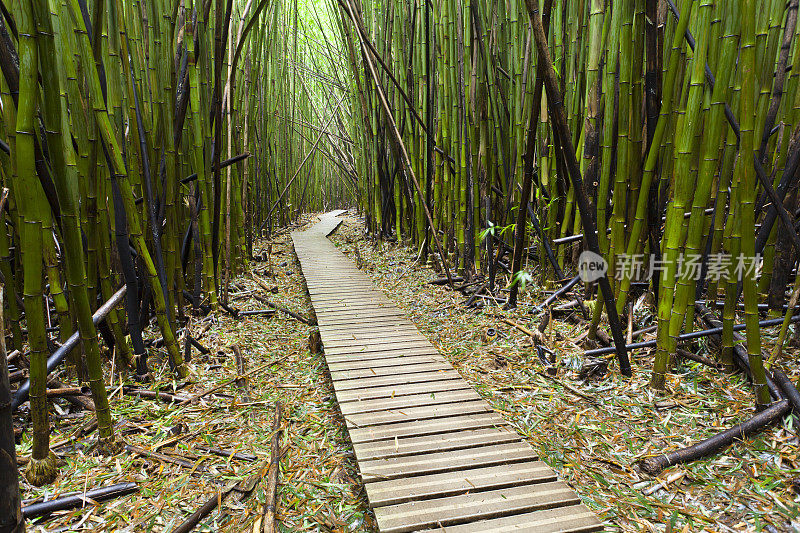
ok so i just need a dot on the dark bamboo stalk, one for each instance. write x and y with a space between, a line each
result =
122 239
527 179
789 177
777 203
780 77
587 217
11 520
788 389
546 243
740 356
148 188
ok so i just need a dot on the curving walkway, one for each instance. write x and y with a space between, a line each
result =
433 455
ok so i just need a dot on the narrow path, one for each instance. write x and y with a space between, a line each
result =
431 452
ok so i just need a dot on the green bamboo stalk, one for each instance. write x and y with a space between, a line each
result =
33 210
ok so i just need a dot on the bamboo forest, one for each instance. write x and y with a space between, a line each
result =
399 265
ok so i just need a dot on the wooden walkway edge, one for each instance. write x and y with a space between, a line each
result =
432 454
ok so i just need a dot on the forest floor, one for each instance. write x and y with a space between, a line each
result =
319 487
592 432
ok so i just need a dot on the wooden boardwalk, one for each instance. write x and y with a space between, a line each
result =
433 455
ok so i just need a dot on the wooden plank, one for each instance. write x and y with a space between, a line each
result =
570 519
409 414
343 290
383 301
388 371
354 306
449 461
312 280
382 354
337 294
443 512
411 400
347 329
370 334
343 270
340 271
396 491
376 345
356 364
347 294
344 297
371 347
419 428
356 328
342 283
359 310
357 318
375 321
401 390
341 297
440 442
373 337
396 380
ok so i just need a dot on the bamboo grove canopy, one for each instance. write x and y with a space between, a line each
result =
147 143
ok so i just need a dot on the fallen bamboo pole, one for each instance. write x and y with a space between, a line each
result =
553 297
206 509
740 356
152 395
283 310
225 453
165 458
689 336
78 499
398 137
61 353
767 417
215 388
268 519
68 391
